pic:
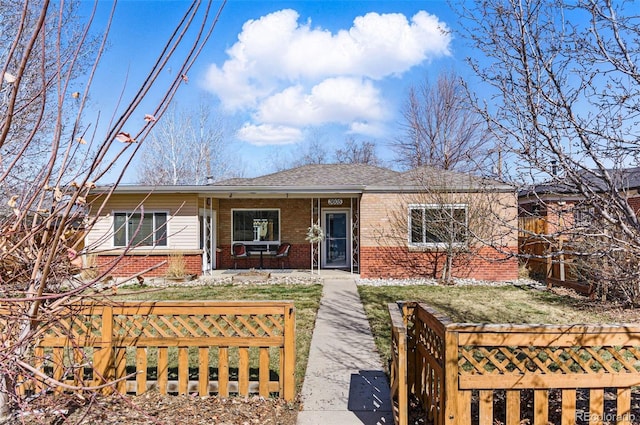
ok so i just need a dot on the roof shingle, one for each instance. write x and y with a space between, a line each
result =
318 175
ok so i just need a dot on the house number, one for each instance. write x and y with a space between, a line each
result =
335 201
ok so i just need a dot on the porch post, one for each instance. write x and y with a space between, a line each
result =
213 260
355 234
315 247
351 233
311 243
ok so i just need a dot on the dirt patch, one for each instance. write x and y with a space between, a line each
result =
615 312
155 409
251 276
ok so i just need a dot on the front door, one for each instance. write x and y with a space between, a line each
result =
337 246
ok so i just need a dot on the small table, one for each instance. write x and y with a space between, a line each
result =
261 250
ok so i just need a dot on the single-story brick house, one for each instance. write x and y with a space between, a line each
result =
374 221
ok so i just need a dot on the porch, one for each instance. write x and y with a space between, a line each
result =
272 232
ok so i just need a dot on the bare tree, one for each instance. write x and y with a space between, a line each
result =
314 152
441 128
186 147
310 151
355 152
30 110
42 97
565 85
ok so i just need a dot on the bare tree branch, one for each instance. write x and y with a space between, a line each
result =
45 203
442 129
565 89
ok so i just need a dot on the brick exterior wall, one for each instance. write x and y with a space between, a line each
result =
634 202
295 218
132 264
384 233
399 263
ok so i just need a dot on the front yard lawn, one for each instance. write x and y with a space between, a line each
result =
153 408
481 304
305 297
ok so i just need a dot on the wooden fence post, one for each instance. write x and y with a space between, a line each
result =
403 384
408 313
289 353
103 356
451 377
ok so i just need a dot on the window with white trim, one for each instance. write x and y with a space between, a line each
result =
137 229
256 225
438 224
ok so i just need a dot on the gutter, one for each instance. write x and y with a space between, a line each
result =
235 191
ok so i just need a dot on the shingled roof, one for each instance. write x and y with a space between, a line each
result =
367 177
332 178
318 175
437 179
622 179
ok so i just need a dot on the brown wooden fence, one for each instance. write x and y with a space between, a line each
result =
208 347
398 369
557 269
543 259
513 374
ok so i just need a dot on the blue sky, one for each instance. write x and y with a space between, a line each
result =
282 73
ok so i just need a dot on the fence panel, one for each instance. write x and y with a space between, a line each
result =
176 347
513 374
567 367
430 345
398 368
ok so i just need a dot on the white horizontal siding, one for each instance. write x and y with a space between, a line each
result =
182 223
182 232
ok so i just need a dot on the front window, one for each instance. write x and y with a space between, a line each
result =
256 225
583 215
136 229
437 225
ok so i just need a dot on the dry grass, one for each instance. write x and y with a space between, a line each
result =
176 268
480 304
90 270
305 297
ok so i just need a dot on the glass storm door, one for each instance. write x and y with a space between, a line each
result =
336 244
207 239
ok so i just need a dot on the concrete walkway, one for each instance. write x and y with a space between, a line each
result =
344 383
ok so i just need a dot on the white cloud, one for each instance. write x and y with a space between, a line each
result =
288 73
365 128
267 134
334 100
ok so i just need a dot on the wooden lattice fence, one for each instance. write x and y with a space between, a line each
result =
208 347
513 374
398 366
